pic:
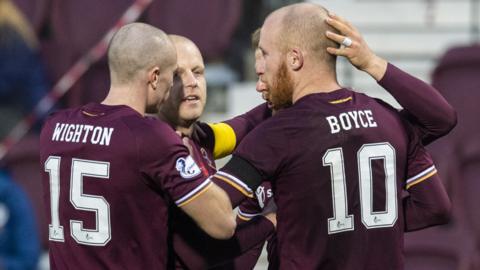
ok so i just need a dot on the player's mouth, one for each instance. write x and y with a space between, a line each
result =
191 99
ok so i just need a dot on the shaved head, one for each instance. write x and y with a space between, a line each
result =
303 26
138 47
183 42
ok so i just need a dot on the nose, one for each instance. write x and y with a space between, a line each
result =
260 86
190 80
259 67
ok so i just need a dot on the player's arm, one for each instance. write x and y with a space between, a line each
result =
427 203
423 104
171 169
223 137
247 211
247 236
211 207
212 211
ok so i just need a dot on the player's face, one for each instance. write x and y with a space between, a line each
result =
261 86
279 84
189 92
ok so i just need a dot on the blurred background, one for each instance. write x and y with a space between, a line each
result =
41 40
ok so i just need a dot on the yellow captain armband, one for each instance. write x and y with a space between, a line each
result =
225 140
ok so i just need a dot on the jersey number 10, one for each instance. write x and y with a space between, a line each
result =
341 220
99 236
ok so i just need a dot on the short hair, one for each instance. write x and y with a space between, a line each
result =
255 38
304 26
136 47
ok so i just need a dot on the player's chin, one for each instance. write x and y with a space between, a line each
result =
191 115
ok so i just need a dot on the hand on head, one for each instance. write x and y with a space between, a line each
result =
354 47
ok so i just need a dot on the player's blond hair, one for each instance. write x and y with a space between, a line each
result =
255 38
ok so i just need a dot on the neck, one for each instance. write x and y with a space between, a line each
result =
126 95
185 127
185 130
316 82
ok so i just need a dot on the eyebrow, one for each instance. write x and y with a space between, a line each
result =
261 49
198 68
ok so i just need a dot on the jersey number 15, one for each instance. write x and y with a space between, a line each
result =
99 236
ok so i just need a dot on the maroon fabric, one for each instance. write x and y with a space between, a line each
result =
458 157
428 204
35 11
288 149
194 249
248 209
76 26
210 26
244 123
422 103
145 175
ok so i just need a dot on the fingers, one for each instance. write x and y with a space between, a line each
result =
337 38
339 26
341 20
339 51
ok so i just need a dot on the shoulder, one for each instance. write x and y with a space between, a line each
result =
152 132
269 140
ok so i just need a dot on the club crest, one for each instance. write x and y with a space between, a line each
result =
187 167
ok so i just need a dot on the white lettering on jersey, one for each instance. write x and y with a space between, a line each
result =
349 120
187 167
73 133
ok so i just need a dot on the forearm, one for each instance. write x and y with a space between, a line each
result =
206 252
249 259
433 113
426 205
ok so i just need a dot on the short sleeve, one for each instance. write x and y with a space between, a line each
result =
166 162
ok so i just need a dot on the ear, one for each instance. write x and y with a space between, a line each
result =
295 59
153 77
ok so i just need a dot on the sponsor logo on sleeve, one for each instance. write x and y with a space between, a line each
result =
187 167
263 195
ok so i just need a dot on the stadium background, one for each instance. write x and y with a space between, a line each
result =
435 40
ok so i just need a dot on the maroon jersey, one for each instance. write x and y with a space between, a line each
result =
338 163
109 175
250 208
194 249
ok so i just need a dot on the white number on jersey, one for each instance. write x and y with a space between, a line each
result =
99 236
341 220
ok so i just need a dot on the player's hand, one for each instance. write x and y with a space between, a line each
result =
270 212
186 142
198 133
358 53
272 217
